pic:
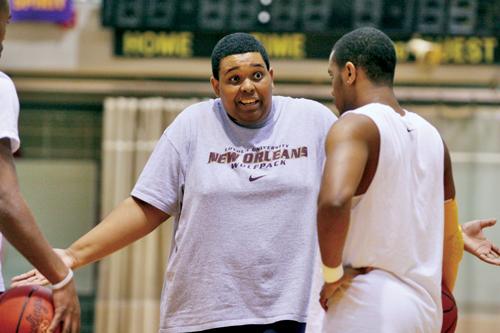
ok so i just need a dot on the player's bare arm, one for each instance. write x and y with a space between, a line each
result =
18 225
130 221
348 150
350 144
16 219
453 243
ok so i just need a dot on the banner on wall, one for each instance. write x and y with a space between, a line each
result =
54 11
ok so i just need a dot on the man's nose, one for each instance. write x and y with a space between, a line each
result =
248 86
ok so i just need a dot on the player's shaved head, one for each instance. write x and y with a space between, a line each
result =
370 49
236 43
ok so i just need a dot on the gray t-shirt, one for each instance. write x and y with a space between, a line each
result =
244 201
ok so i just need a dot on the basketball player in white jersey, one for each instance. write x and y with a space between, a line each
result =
16 221
386 177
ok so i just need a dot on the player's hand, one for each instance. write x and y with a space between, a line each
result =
35 277
329 289
476 243
67 310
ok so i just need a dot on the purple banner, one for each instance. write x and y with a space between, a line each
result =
56 11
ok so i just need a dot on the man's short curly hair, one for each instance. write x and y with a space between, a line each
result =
370 49
236 43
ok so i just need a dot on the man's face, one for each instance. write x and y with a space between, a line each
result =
339 92
244 87
4 20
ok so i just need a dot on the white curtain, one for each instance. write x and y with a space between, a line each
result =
130 280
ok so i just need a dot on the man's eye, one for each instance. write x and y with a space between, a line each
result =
258 75
234 79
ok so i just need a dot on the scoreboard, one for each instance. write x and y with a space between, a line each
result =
395 17
471 25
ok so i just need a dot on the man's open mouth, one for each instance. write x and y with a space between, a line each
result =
248 101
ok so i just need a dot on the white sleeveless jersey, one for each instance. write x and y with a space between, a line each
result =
9 113
397 228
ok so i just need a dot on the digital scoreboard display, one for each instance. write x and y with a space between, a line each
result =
395 17
466 31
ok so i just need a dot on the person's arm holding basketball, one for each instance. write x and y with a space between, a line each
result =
18 225
347 153
128 222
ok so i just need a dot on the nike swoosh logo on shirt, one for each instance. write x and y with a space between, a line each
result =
255 178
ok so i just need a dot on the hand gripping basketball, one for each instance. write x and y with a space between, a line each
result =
26 309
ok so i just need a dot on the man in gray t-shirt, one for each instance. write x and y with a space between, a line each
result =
244 201
240 174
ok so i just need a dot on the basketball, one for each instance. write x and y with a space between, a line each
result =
26 309
450 313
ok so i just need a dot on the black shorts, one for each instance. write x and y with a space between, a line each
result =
284 326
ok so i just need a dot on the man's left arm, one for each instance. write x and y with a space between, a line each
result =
453 245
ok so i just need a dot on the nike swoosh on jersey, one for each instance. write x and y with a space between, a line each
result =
255 178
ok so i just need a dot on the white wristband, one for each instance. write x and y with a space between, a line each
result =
63 282
331 275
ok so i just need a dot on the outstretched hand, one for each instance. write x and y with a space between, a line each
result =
476 243
35 277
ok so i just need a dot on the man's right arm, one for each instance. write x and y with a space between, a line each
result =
128 222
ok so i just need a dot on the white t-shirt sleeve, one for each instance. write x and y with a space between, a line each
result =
159 182
9 112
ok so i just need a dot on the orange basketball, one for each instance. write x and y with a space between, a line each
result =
26 309
450 312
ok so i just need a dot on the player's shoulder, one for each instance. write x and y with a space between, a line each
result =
6 81
417 118
194 111
198 106
193 114
371 108
304 102
4 76
305 107
419 121
355 124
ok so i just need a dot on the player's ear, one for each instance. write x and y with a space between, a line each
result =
350 73
215 86
271 73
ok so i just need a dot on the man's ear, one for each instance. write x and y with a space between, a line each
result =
271 73
350 73
215 86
